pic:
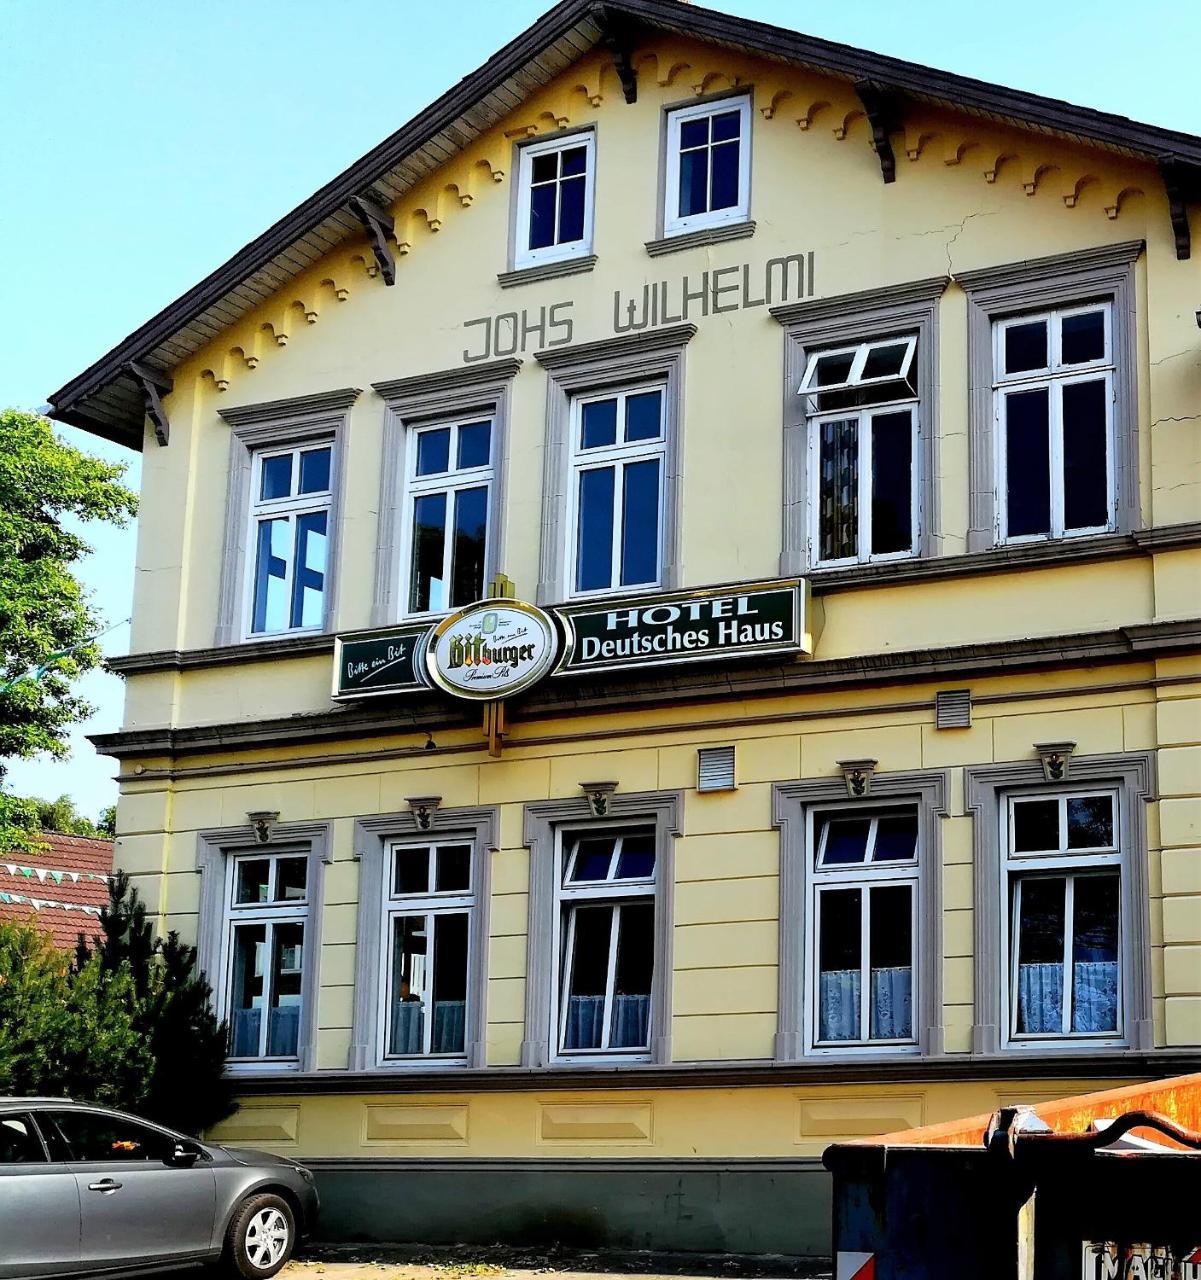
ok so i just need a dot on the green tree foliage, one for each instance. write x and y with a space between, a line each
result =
185 1086
67 1031
46 486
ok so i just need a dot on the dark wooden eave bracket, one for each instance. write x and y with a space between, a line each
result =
1181 182
153 385
378 224
884 116
617 37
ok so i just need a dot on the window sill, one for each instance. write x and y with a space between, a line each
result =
702 236
546 271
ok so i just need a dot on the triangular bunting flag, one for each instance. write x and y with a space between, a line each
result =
41 874
57 876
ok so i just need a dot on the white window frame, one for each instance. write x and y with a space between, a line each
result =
1068 865
863 417
609 892
1054 376
863 876
290 508
673 222
523 255
270 914
616 456
424 906
862 351
448 482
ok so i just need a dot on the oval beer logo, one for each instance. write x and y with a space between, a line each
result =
492 649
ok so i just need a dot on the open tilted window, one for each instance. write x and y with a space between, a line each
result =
862 410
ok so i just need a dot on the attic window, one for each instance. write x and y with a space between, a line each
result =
555 193
868 373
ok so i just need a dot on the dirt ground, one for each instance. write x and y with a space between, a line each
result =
385 1262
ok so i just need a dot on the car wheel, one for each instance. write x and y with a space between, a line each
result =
261 1237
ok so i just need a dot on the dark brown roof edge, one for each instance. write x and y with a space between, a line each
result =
774 42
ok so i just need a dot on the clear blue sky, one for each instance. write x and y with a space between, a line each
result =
144 141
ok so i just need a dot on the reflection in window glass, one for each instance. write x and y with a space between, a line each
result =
1095 954
1041 926
314 470
1085 452
838 527
840 958
252 880
1090 822
891 962
598 420
19 1144
640 523
429 546
1028 462
845 841
1083 337
276 478
594 548
270 576
291 876
433 451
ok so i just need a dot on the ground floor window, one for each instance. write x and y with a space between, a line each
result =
427 924
1064 921
267 910
607 941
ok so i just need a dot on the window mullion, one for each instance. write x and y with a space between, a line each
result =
427 994
865 960
1069 928
611 973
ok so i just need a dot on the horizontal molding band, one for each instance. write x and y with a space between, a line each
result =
712 681
948 1069
767 1165
822 582
546 271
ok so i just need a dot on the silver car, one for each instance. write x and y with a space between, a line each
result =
85 1191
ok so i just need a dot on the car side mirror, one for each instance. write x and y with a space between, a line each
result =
183 1155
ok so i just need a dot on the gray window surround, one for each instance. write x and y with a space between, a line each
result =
929 790
810 326
1085 275
372 837
214 847
297 420
617 363
1134 776
544 819
426 398
685 239
570 266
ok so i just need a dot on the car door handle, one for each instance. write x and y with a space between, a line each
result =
104 1185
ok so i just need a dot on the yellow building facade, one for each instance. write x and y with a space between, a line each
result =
670 318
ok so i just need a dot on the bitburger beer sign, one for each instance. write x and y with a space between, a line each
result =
495 649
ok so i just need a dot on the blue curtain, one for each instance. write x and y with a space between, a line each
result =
283 1032
408 1027
838 1005
586 1017
449 1026
244 1034
1095 995
892 1003
1040 998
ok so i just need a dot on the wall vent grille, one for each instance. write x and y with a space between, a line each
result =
953 709
715 769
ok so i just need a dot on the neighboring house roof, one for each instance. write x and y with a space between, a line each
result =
60 889
111 397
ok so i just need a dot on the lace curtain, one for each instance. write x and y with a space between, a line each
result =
585 1022
891 1004
1094 997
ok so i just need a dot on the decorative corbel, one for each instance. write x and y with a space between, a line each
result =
422 808
858 776
617 38
261 822
1176 181
1056 758
598 794
153 386
884 117
377 222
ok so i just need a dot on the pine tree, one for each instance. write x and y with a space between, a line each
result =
187 1088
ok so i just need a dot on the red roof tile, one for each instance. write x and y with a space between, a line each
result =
74 870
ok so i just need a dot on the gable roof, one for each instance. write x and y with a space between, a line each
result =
107 398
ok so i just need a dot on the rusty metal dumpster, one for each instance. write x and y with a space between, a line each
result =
1105 1186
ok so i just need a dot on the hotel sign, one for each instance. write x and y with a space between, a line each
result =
687 626
498 648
